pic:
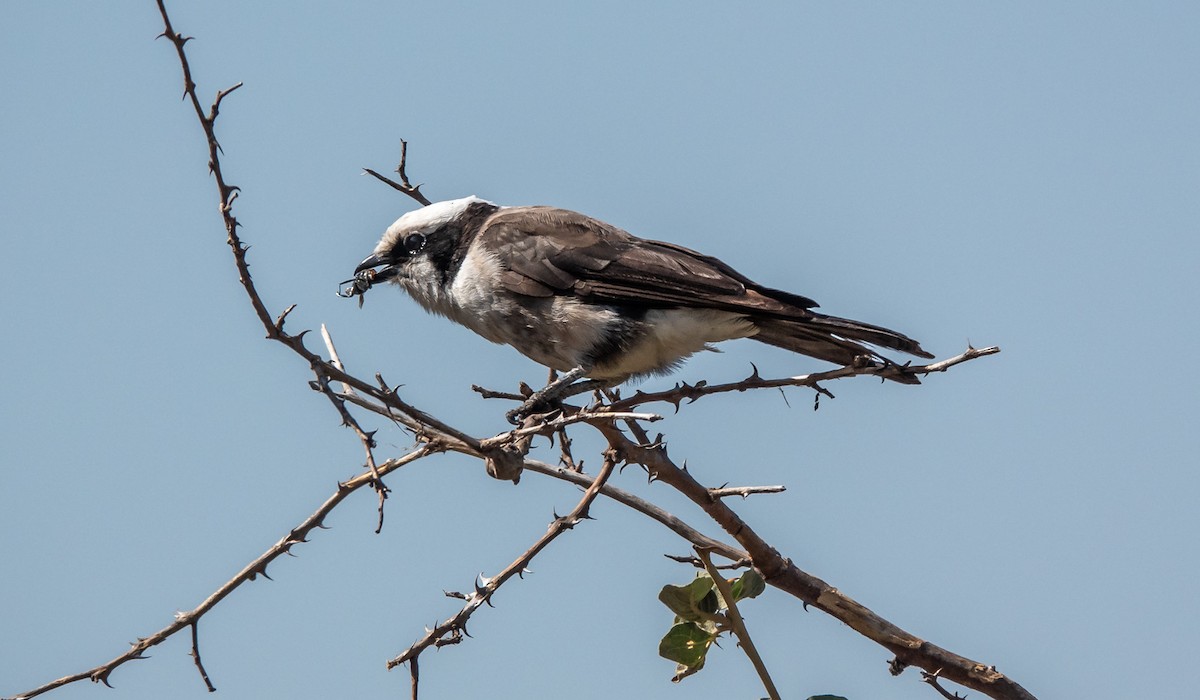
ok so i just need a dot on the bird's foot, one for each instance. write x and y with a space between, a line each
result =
532 406
547 399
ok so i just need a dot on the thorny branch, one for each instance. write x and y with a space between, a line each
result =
348 420
250 572
932 680
196 656
486 587
435 436
404 185
782 573
744 491
695 561
693 392
738 624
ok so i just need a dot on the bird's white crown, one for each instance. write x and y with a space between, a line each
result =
425 219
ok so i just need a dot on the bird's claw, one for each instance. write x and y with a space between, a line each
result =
532 406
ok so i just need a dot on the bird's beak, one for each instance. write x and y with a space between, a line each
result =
366 276
373 261
385 272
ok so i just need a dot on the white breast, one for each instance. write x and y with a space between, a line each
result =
472 288
554 331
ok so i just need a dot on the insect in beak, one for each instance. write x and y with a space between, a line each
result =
359 284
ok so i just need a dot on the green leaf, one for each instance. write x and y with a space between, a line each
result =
686 644
750 585
689 602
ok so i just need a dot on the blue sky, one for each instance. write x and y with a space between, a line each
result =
1018 174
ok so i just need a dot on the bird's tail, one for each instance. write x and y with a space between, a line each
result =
838 340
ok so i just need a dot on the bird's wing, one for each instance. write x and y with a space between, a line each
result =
548 251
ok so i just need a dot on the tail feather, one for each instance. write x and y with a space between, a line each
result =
837 340
868 333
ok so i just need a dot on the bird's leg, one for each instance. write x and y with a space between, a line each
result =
558 389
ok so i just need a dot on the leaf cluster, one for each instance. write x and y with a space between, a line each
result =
701 618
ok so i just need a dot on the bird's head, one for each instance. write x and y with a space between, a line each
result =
422 246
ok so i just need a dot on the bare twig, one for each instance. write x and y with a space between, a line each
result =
486 587
691 392
196 656
333 357
562 421
251 571
932 679
404 185
670 521
943 365
565 457
695 561
227 192
367 439
738 624
348 420
744 491
491 394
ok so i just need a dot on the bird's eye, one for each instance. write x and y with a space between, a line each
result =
414 242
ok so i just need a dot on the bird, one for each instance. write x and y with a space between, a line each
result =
594 302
